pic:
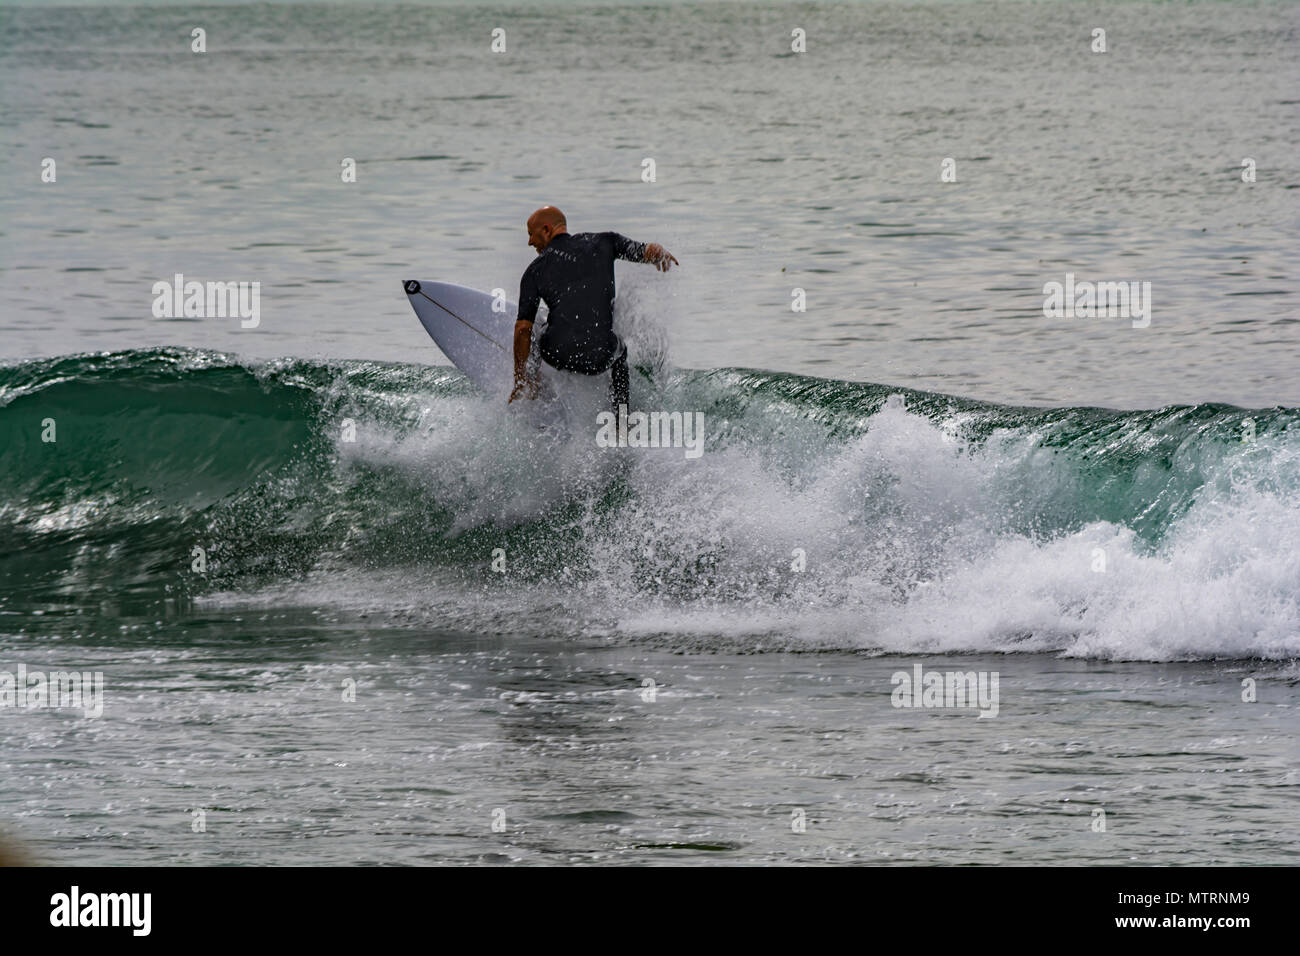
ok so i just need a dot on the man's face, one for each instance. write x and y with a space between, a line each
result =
539 234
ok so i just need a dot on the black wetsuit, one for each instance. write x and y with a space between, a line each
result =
574 276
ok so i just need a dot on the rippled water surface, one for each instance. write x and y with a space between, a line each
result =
346 610
774 171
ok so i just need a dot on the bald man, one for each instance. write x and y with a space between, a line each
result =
574 276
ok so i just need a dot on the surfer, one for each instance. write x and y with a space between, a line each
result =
574 276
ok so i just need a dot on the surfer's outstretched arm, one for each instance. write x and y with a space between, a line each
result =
651 252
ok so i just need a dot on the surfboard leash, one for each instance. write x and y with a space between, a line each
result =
419 291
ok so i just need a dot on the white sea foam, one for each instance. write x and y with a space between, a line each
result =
913 539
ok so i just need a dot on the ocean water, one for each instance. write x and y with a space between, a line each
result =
774 171
347 610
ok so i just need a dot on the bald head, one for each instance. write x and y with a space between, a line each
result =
544 225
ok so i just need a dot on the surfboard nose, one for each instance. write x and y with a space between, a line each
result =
411 286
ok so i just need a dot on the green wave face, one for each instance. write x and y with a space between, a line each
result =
904 507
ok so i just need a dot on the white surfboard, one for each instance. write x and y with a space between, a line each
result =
481 343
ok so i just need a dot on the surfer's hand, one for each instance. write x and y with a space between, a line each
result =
659 257
527 388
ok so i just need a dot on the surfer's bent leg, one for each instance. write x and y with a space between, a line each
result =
618 380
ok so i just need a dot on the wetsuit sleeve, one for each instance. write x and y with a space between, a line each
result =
528 297
625 248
